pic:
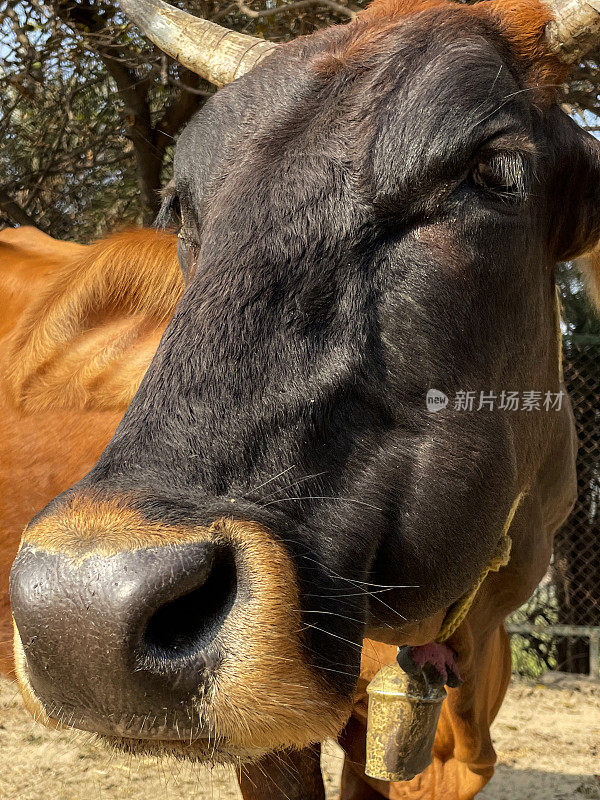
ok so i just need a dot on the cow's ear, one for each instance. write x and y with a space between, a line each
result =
575 190
169 213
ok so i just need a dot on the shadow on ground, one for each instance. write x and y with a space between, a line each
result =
511 783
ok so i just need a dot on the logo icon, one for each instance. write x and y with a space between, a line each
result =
436 400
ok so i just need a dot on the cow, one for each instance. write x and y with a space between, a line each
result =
367 215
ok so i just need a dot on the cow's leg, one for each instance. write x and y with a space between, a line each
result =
464 757
294 775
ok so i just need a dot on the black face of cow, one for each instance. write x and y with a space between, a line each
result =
364 219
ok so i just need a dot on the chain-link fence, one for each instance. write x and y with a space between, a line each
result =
559 628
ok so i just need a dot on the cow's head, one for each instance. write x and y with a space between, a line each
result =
372 212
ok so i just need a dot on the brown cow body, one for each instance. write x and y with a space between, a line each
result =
75 339
81 327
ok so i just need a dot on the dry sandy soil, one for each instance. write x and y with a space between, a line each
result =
547 737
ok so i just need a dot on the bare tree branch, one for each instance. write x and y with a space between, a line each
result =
338 8
14 211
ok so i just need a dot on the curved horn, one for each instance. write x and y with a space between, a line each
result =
575 29
218 54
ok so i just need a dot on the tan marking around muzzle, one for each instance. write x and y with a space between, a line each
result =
265 694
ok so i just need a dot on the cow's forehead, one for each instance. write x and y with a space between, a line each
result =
408 33
517 27
424 99
441 64
440 70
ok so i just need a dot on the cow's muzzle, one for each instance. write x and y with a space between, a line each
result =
121 645
169 637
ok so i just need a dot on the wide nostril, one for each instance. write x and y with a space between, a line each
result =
186 625
115 641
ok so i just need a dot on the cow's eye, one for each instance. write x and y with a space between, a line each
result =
504 176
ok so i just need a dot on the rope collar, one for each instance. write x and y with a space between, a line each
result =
459 610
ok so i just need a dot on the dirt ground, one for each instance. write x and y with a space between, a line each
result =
547 737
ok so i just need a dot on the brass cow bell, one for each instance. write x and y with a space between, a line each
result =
403 715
